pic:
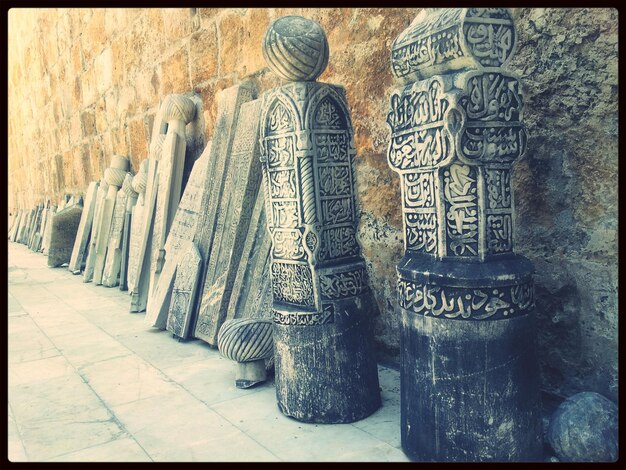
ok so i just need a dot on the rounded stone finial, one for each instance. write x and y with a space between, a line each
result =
127 186
245 339
120 162
178 108
156 147
296 48
140 180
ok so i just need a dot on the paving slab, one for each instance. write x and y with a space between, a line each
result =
90 382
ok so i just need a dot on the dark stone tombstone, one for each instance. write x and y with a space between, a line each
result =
325 368
469 371
64 228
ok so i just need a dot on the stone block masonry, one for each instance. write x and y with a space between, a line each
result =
85 84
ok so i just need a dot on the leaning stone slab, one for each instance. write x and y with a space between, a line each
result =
45 244
177 111
23 235
84 229
90 261
326 371
131 201
64 228
42 228
15 225
114 176
36 227
196 222
139 186
184 291
240 189
251 295
113 262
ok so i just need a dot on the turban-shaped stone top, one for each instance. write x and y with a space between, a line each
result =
127 186
178 108
140 180
296 48
245 340
115 174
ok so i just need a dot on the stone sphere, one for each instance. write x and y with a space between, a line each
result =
584 429
296 48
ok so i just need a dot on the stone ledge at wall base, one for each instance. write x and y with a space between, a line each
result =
249 343
322 307
63 234
469 368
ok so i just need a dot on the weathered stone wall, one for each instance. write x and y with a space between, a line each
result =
86 83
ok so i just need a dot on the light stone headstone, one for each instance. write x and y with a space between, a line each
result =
42 228
23 236
210 193
36 227
469 371
48 233
131 201
241 186
16 229
139 186
84 229
114 176
15 225
184 291
64 228
139 295
177 111
184 227
113 261
326 371
20 229
90 262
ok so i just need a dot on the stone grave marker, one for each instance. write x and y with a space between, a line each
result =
131 201
241 186
90 261
114 176
84 229
184 291
326 371
466 299
45 244
15 225
139 186
35 226
64 227
113 261
42 228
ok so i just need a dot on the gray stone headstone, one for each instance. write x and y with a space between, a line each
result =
251 295
23 235
114 176
90 260
84 229
139 185
241 186
45 219
36 227
113 262
184 291
15 226
131 201
64 228
45 244
186 223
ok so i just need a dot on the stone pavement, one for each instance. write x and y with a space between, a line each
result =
89 381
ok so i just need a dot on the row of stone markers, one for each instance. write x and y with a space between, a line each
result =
278 274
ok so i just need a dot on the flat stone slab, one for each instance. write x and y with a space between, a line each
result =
184 291
64 228
84 229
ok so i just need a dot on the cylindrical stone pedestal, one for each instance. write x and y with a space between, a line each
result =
469 378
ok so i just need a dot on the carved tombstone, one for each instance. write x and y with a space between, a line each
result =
90 262
48 232
114 176
139 186
197 211
36 226
469 373
23 236
326 371
177 111
139 293
178 244
64 227
113 260
184 291
251 295
131 201
45 219
84 229
241 186
16 225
